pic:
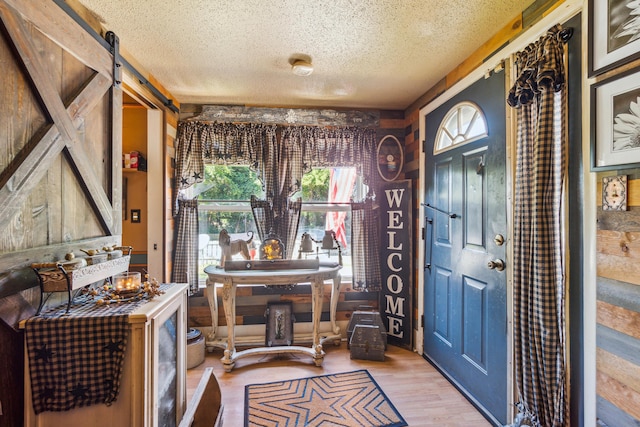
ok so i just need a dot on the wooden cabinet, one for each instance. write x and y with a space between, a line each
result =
153 383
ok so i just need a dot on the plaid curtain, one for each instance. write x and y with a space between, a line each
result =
185 254
305 147
200 143
539 281
365 247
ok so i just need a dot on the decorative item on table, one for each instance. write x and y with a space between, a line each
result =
112 252
127 283
272 247
94 256
108 293
307 245
97 258
230 247
328 243
73 264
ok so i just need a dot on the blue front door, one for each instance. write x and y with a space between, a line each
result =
465 297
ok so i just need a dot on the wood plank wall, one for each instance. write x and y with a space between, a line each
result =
618 309
252 302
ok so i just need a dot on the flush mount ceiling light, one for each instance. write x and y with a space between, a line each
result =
301 67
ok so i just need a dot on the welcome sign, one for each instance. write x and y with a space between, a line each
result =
396 260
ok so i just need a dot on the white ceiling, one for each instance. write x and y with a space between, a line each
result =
366 53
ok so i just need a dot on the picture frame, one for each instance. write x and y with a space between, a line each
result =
279 330
615 122
390 158
612 41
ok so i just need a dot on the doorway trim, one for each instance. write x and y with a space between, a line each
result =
155 194
156 252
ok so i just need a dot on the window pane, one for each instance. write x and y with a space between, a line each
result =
463 123
224 203
230 183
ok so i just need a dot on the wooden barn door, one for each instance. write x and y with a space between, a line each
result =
60 130
60 172
465 306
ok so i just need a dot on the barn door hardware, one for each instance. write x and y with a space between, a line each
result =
120 60
114 42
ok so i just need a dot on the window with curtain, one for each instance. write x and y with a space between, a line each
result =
224 202
280 156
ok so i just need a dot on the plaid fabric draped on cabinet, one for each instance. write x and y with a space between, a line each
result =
539 97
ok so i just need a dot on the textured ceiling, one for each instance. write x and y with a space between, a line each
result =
366 53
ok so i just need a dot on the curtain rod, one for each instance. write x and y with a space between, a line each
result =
118 59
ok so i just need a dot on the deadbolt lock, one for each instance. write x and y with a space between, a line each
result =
499 239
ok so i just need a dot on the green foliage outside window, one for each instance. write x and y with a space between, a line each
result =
315 187
239 183
228 183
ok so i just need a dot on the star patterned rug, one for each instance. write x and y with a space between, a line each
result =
343 399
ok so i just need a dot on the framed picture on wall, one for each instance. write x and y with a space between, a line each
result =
279 330
615 122
614 34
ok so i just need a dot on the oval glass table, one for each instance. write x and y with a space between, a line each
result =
230 280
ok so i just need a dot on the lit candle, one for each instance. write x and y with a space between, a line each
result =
127 282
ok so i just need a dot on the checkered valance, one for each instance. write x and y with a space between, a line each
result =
279 162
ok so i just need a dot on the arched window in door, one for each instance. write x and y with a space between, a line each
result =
464 123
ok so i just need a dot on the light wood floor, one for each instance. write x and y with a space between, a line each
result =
421 395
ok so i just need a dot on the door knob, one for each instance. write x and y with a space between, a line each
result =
496 264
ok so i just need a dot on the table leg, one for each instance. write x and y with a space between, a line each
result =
229 304
335 295
317 292
212 298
